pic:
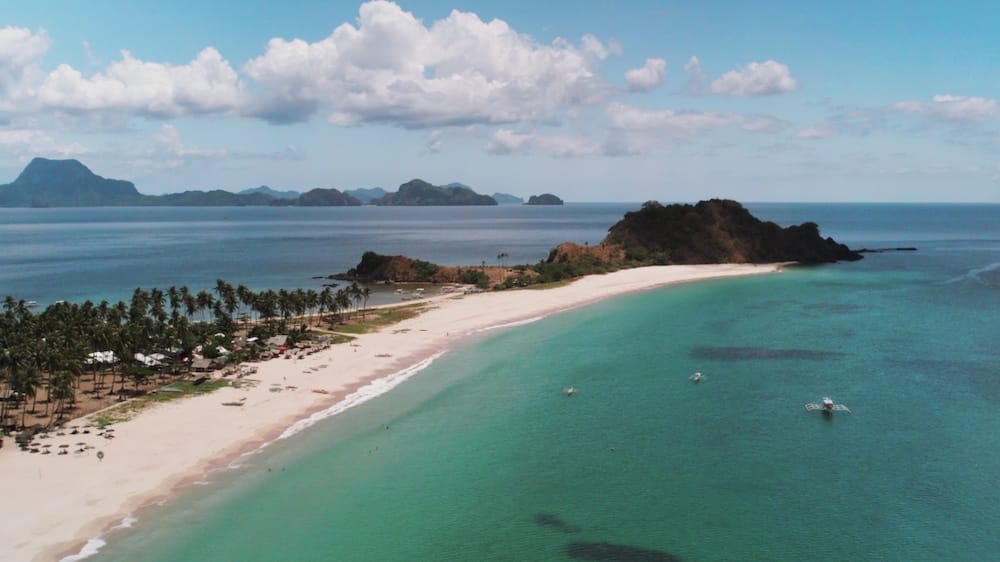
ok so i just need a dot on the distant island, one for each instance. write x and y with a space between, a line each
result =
544 199
66 183
709 232
366 195
420 193
271 192
69 183
508 199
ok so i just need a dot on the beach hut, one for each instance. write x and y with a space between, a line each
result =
201 365
101 357
154 360
277 341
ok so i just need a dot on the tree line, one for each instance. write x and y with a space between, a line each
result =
51 351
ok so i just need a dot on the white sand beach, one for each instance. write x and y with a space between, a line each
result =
52 504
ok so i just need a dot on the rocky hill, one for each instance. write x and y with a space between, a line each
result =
327 198
375 267
66 183
718 231
507 199
213 198
544 199
265 190
420 193
366 194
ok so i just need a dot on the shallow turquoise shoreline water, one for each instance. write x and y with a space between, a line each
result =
481 457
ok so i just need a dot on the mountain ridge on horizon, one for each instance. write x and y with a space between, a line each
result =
70 183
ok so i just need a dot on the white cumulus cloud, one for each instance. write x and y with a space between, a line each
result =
35 142
20 49
506 141
393 68
695 79
633 118
815 133
207 84
755 79
647 77
956 108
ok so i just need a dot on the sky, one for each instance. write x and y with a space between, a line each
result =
592 100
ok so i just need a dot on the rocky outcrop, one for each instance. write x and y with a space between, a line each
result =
420 193
544 199
327 198
66 183
718 231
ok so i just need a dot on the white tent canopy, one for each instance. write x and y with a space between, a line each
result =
101 357
153 360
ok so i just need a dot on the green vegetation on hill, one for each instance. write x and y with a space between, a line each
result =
544 199
327 198
507 199
718 231
266 190
66 183
366 195
420 193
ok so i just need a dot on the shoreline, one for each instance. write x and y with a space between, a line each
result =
173 445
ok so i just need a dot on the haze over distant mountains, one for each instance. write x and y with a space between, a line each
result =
69 183
271 192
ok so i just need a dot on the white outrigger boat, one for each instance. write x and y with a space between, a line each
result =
828 407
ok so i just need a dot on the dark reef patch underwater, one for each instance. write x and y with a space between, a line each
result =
761 353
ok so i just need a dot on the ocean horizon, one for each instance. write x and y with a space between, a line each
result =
480 455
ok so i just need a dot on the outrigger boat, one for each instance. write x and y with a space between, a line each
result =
828 407
697 377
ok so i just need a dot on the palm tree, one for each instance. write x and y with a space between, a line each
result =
246 297
342 301
227 296
366 292
325 301
189 301
205 302
266 304
311 302
62 390
355 293
26 384
174 298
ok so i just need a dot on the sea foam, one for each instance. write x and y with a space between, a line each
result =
95 544
363 394
505 325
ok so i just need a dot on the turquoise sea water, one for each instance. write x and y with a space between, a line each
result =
481 456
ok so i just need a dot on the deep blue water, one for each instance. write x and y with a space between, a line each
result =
486 459
104 253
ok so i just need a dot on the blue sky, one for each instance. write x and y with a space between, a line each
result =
594 100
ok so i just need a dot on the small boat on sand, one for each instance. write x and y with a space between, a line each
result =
827 407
